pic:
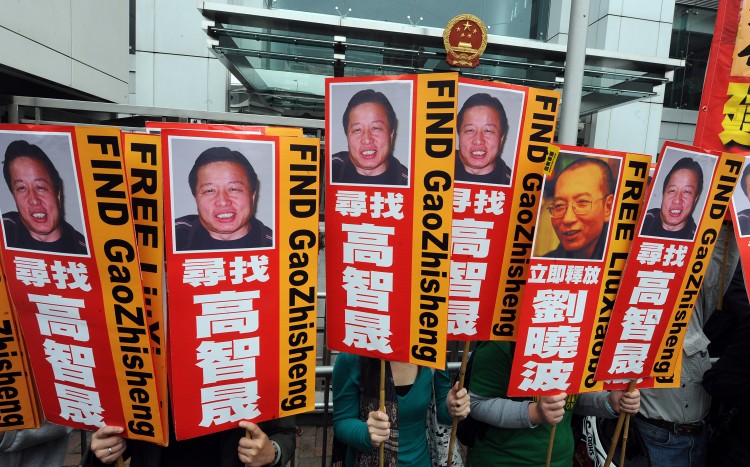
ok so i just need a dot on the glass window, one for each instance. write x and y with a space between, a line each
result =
526 19
692 31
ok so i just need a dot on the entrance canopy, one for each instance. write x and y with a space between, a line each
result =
281 58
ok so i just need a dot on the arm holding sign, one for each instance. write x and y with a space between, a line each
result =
45 445
457 402
608 404
107 445
347 425
274 446
519 428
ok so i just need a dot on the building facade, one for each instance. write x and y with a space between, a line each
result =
643 74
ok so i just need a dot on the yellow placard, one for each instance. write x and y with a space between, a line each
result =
538 133
18 399
143 164
113 243
299 191
623 228
728 170
434 164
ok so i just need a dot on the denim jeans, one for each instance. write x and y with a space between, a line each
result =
667 449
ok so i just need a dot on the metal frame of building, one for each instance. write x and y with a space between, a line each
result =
241 37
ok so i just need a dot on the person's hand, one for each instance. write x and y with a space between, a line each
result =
256 451
458 402
549 410
628 402
106 445
379 427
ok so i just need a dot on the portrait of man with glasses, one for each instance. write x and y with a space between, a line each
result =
580 208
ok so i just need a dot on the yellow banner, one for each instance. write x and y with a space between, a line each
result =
299 201
727 174
631 194
110 215
538 133
434 164
18 399
143 163
283 131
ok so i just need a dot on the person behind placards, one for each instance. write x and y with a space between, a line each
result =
272 444
482 130
519 428
43 446
743 217
37 188
728 380
370 126
359 424
583 194
681 191
225 187
672 420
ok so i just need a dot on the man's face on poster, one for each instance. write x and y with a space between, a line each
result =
679 199
582 209
225 200
480 139
370 138
37 199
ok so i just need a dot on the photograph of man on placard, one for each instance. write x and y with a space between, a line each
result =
41 210
487 128
372 144
741 198
677 195
222 194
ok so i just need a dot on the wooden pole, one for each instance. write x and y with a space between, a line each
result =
624 446
461 375
381 453
615 440
618 429
551 444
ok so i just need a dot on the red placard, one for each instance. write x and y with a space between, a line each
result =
247 129
722 117
75 280
666 266
722 121
242 300
388 215
494 213
586 223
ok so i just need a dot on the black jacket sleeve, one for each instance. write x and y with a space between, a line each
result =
729 378
284 432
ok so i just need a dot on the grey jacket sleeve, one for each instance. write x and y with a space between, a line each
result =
46 445
500 412
593 403
17 440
